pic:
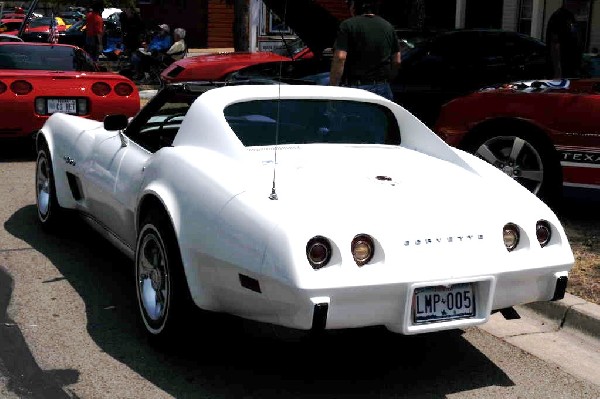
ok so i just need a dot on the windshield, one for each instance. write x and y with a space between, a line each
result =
44 58
312 121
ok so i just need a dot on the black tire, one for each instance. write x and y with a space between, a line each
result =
48 210
521 155
162 292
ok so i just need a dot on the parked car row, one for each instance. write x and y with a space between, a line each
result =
70 27
438 67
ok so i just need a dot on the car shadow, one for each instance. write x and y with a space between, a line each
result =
17 364
223 356
17 150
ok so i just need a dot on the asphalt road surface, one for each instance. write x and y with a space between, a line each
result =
68 328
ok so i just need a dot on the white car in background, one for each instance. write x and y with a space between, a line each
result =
107 12
302 206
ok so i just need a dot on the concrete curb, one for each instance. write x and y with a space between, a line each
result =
571 312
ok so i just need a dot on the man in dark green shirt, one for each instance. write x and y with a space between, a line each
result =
366 51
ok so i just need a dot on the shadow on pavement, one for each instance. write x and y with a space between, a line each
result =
222 356
17 150
17 364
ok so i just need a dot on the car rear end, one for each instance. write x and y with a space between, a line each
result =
28 98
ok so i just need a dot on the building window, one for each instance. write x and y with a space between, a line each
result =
525 13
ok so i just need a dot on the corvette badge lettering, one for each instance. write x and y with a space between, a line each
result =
440 240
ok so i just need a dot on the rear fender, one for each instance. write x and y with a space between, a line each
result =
162 193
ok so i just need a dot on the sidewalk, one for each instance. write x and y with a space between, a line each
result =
571 313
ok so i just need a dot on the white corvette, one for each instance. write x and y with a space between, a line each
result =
302 206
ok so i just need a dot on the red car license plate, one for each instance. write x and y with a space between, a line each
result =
442 303
67 106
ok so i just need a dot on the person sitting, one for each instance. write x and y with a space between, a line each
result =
145 57
178 49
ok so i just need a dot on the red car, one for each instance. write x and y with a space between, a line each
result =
545 134
38 29
10 26
219 66
13 16
38 79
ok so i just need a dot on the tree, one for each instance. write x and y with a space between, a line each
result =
240 24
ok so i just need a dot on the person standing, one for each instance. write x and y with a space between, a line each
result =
366 51
562 38
132 28
94 30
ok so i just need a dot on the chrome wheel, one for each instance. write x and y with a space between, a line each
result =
153 279
516 157
43 186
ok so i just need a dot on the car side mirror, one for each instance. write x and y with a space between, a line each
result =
115 122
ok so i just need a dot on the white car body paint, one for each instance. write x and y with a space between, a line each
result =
437 220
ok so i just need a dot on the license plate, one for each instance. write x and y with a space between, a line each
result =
441 303
62 105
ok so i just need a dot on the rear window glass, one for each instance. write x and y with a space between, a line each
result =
270 122
51 58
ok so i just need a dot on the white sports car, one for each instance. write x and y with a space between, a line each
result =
307 207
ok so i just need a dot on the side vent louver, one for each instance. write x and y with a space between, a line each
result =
75 186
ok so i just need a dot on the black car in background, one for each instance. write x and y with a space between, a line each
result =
455 63
436 67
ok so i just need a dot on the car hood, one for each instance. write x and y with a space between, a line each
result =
216 66
303 16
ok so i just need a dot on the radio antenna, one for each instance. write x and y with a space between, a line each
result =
273 195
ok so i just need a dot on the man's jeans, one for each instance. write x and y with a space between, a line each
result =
383 89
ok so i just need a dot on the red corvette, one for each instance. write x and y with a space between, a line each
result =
38 79
218 66
545 134
10 26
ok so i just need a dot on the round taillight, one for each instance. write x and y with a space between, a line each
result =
101 89
2 87
362 248
21 87
510 235
318 252
543 231
123 89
